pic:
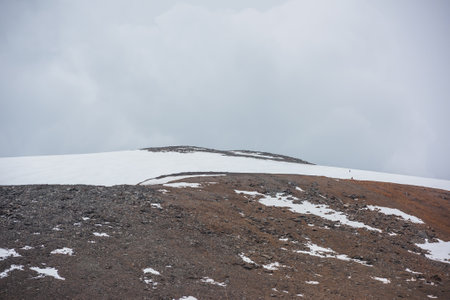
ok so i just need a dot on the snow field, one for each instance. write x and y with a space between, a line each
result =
134 166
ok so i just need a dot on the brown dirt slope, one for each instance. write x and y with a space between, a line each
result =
210 242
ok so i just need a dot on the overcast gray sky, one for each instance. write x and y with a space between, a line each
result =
357 84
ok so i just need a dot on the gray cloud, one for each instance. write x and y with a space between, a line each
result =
351 83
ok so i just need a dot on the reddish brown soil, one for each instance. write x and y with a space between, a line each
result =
201 232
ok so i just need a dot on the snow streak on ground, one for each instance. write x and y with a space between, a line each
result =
66 251
151 271
212 281
12 268
383 280
315 250
246 259
101 234
410 271
273 266
395 212
439 251
132 167
47 272
183 185
306 207
5 253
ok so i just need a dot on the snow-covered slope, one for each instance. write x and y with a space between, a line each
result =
132 167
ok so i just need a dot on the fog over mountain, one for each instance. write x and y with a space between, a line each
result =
356 84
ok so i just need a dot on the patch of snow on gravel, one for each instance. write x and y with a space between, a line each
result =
65 251
432 296
101 234
186 298
194 185
315 250
56 228
395 212
5 253
248 193
410 271
156 205
48 272
27 248
246 259
4 274
439 251
273 266
306 207
383 280
212 281
299 189
151 271
311 282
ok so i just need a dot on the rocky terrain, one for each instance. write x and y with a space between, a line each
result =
223 236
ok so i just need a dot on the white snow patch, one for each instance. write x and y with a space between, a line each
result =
77 224
299 295
248 193
132 167
383 280
246 259
187 298
315 250
439 251
85 218
164 191
395 212
253 154
194 185
27 248
48 272
4 274
311 282
410 271
392 234
5 253
150 281
65 251
284 239
212 281
273 266
432 296
56 228
156 205
306 207
101 234
151 271
299 189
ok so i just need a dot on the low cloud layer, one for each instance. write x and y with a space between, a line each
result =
359 84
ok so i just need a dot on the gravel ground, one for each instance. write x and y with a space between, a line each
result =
162 242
